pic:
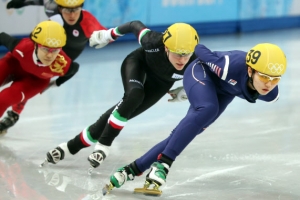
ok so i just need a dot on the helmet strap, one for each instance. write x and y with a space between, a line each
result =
167 53
36 52
251 79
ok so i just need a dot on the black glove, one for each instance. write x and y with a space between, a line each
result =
15 4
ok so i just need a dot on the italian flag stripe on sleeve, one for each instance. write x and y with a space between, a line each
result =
116 121
142 33
117 32
86 137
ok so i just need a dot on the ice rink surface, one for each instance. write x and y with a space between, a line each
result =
251 152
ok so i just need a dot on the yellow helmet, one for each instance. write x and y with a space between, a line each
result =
181 38
267 58
50 34
69 3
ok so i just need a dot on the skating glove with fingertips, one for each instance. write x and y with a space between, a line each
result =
101 38
178 95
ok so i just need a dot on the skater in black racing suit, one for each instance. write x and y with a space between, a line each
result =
147 73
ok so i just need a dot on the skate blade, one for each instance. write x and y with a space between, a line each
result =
90 170
107 188
146 191
44 163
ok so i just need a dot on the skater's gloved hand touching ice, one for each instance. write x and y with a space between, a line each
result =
177 95
101 38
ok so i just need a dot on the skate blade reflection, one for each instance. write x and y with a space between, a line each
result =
90 170
146 191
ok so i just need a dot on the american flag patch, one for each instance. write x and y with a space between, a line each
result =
232 82
216 69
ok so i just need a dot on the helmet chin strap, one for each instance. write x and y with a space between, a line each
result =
168 53
36 53
251 79
35 50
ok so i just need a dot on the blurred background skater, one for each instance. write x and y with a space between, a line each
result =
79 25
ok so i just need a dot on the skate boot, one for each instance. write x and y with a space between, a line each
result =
156 177
97 157
119 178
57 154
8 121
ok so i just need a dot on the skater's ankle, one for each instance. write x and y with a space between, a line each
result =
65 148
165 160
103 148
13 114
134 169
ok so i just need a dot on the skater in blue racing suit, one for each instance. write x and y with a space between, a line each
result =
211 82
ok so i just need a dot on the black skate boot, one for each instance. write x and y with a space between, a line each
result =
8 121
97 157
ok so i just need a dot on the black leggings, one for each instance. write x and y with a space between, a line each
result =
142 90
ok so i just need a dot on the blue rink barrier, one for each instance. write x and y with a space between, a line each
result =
269 24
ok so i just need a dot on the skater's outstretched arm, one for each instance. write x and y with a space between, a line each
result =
22 3
8 41
101 38
50 6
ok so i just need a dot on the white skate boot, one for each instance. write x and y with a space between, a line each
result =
97 157
156 177
57 154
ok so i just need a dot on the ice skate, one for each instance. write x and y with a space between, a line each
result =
8 121
98 156
57 154
119 178
154 179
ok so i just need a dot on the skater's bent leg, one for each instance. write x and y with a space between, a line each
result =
8 97
114 125
119 117
133 77
201 114
89 135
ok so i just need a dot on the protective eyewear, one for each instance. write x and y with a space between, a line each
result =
266 78
48 50
70 10
179 55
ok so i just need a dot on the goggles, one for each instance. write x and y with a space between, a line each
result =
266 78
70 10
180 55
48 50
